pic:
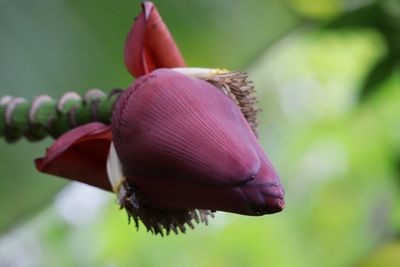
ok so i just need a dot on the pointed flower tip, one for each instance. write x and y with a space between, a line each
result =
150 45
264 194
147 6
275 203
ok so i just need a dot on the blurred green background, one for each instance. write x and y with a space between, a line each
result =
327 74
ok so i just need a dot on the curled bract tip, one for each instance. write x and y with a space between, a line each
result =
150 45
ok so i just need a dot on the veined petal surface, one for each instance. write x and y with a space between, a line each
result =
171 125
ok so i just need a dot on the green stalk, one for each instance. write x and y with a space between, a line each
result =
44 116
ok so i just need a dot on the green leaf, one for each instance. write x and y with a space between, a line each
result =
377 75
366 16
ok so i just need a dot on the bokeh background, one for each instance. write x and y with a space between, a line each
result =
327 74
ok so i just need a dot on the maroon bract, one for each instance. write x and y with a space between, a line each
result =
80 155
186 135
180 146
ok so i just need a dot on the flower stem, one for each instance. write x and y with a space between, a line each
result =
44 116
